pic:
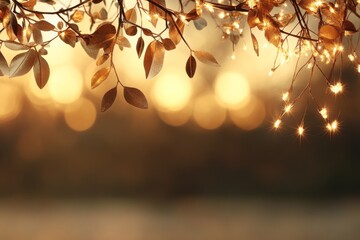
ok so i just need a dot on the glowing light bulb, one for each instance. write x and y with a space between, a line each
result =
288 108
336 88
277 123
285 96
351 57
300 131
324 113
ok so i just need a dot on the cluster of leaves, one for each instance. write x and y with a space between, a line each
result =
320 27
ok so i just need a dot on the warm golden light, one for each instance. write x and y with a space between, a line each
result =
285 96
300 131
176 119
80 115
171 92
207 112
66 84
11 102
277 123
250 116
333 126
336 88
324 113
232 90
288 108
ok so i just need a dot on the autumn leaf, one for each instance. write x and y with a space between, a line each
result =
190 66
100 76
272 32
103 36
135 97
108 99
154 58
16 46
102 59
176 29
43 26
255 44
41 71
168 44
156 11
329 32
4 68
122 42
69 37
22 63
37 36
206 58
78 16
92 52
349 27
140 46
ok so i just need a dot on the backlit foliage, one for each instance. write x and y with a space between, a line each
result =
324 32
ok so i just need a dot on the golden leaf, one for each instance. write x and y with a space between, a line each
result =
140 46
123 42
135 97
206 58
22 63
100 76
102 59
108 99
4 68
43 26
69 37
329 32
190 66
255 44
41 71
168 44
349 27
272 32
154 58
78 16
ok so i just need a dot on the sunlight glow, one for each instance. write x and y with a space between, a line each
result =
66 84
232 90
10 104
207 112
171 92
80 115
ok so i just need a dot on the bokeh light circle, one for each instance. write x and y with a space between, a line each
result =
80 115
232 90
208 114
66 84
250 116
11 102
171 92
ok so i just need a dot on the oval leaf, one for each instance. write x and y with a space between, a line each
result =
99 77
329 32
135 97
4 68
43 25
41 71
191 66
22 63
140 46
154 58
168 44
255 44
108 99
349 27
206 58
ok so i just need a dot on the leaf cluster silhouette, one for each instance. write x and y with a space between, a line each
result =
320 27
